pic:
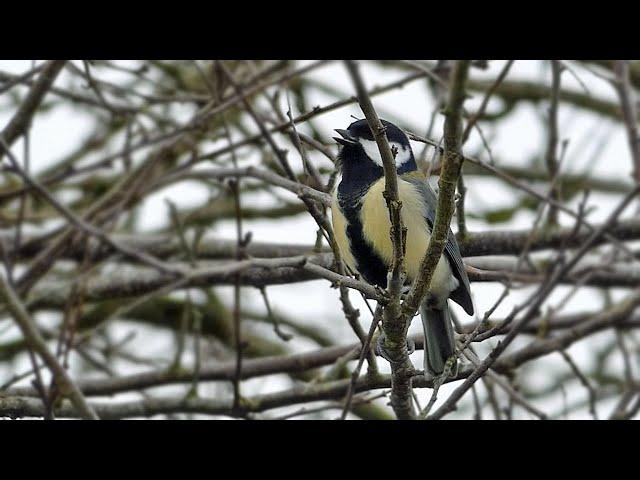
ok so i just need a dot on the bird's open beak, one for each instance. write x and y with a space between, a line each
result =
346 139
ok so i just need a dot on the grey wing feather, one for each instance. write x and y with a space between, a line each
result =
462 294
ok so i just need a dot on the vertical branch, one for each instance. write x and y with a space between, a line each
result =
629 112
237 335
24 198
241 243
460 211
393 325
449 173
72 314
272 317
363 353
473 120
551 157
584 381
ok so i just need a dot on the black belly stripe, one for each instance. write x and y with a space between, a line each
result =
369 263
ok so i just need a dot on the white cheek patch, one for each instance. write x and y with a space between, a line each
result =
372 151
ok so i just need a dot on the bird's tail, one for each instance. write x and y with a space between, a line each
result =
439 340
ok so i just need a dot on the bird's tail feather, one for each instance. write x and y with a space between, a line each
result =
439 339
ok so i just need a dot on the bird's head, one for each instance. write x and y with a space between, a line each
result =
360 157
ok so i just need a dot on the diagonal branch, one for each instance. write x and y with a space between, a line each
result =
539 297
32 101
31 333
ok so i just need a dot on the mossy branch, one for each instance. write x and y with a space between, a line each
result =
449 173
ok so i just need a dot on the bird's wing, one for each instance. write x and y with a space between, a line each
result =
462 294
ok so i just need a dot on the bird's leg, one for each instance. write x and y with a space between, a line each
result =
451 368
382 352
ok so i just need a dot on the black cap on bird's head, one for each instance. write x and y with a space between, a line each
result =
360 157
360 130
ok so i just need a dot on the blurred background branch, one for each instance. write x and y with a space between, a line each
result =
166 252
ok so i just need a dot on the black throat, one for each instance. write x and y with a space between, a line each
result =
359 172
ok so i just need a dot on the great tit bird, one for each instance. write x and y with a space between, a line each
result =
361 226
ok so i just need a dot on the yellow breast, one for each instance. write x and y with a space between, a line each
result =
376 227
